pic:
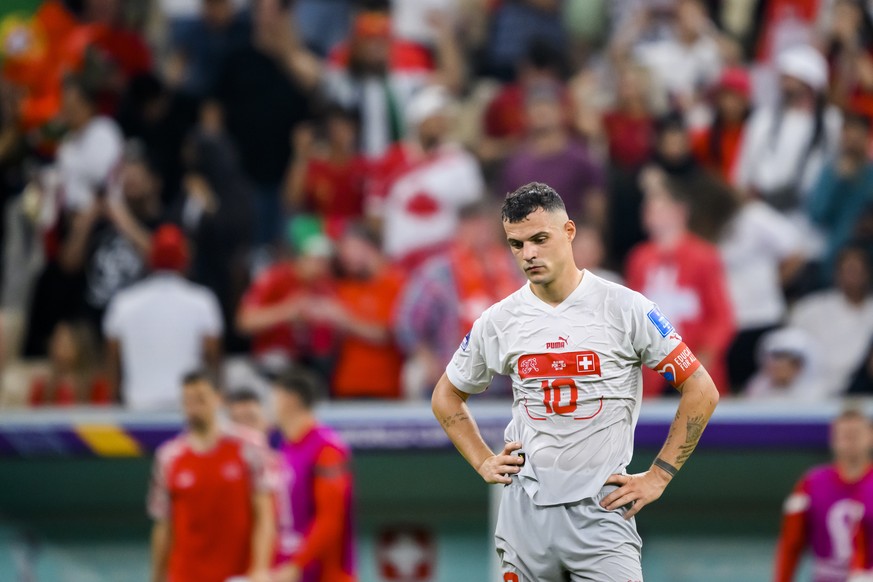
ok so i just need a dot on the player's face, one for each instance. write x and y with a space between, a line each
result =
288 406
200 404
249 414
541 244
851 438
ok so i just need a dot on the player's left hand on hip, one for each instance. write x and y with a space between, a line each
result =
635 491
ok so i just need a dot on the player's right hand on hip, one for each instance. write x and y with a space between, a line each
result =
500 468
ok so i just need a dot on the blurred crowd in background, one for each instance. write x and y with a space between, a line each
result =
248 184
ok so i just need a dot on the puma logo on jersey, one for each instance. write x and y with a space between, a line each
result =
561 343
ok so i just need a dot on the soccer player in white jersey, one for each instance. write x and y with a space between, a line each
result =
573 345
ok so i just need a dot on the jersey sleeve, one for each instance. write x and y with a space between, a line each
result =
792 537
658 344
469 370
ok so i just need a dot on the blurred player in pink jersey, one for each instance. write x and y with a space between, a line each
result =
317 543
574 345
830 511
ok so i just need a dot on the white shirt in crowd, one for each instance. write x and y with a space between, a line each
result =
842 334
681 69
770 159
161 324
86 160
421 208
754 245
576 378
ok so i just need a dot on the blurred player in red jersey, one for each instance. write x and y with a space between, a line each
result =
319 489
830 510
209 497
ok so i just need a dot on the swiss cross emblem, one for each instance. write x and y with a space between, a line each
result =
585 363
559 365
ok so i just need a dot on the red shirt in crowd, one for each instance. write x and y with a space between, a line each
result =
365 369
207 498
630 138
724 159
688 284
277 284
505 115
335 191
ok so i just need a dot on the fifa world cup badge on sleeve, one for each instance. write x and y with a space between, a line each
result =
465 343
660 321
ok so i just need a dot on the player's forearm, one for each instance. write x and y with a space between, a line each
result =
450 408
696 405
263 533
160 550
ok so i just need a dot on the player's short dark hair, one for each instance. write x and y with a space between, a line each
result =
300 382
199 375
243 395
527 199
851 412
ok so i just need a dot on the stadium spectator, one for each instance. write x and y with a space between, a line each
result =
816 517
717 146
86 162
840 319
685 58
550 153
504 120
843 190
369 362
328 181
419 21
263 93
514 25
109 242
422 183
629 129
762 252
216 213
73 375
448 293
210 496
279 309
684 276
218 31
862 379
786 145
320 495
154 113
849 49
787 368
377 75
160 328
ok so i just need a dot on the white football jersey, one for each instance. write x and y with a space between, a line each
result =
576 376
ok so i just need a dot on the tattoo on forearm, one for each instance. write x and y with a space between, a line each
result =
693 429
452 420
670 433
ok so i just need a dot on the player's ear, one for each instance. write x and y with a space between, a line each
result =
570 230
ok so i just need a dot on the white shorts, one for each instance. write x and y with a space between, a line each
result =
565 543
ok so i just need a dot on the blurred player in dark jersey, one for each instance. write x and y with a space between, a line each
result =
209 497
830 511
319 540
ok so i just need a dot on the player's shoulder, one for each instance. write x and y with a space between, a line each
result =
244 436
818 474
168 451
331 441
615 296
507 308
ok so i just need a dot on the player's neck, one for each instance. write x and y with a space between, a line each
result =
297 428
560 288
852 470
205 437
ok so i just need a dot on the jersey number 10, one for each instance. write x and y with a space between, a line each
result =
552 396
